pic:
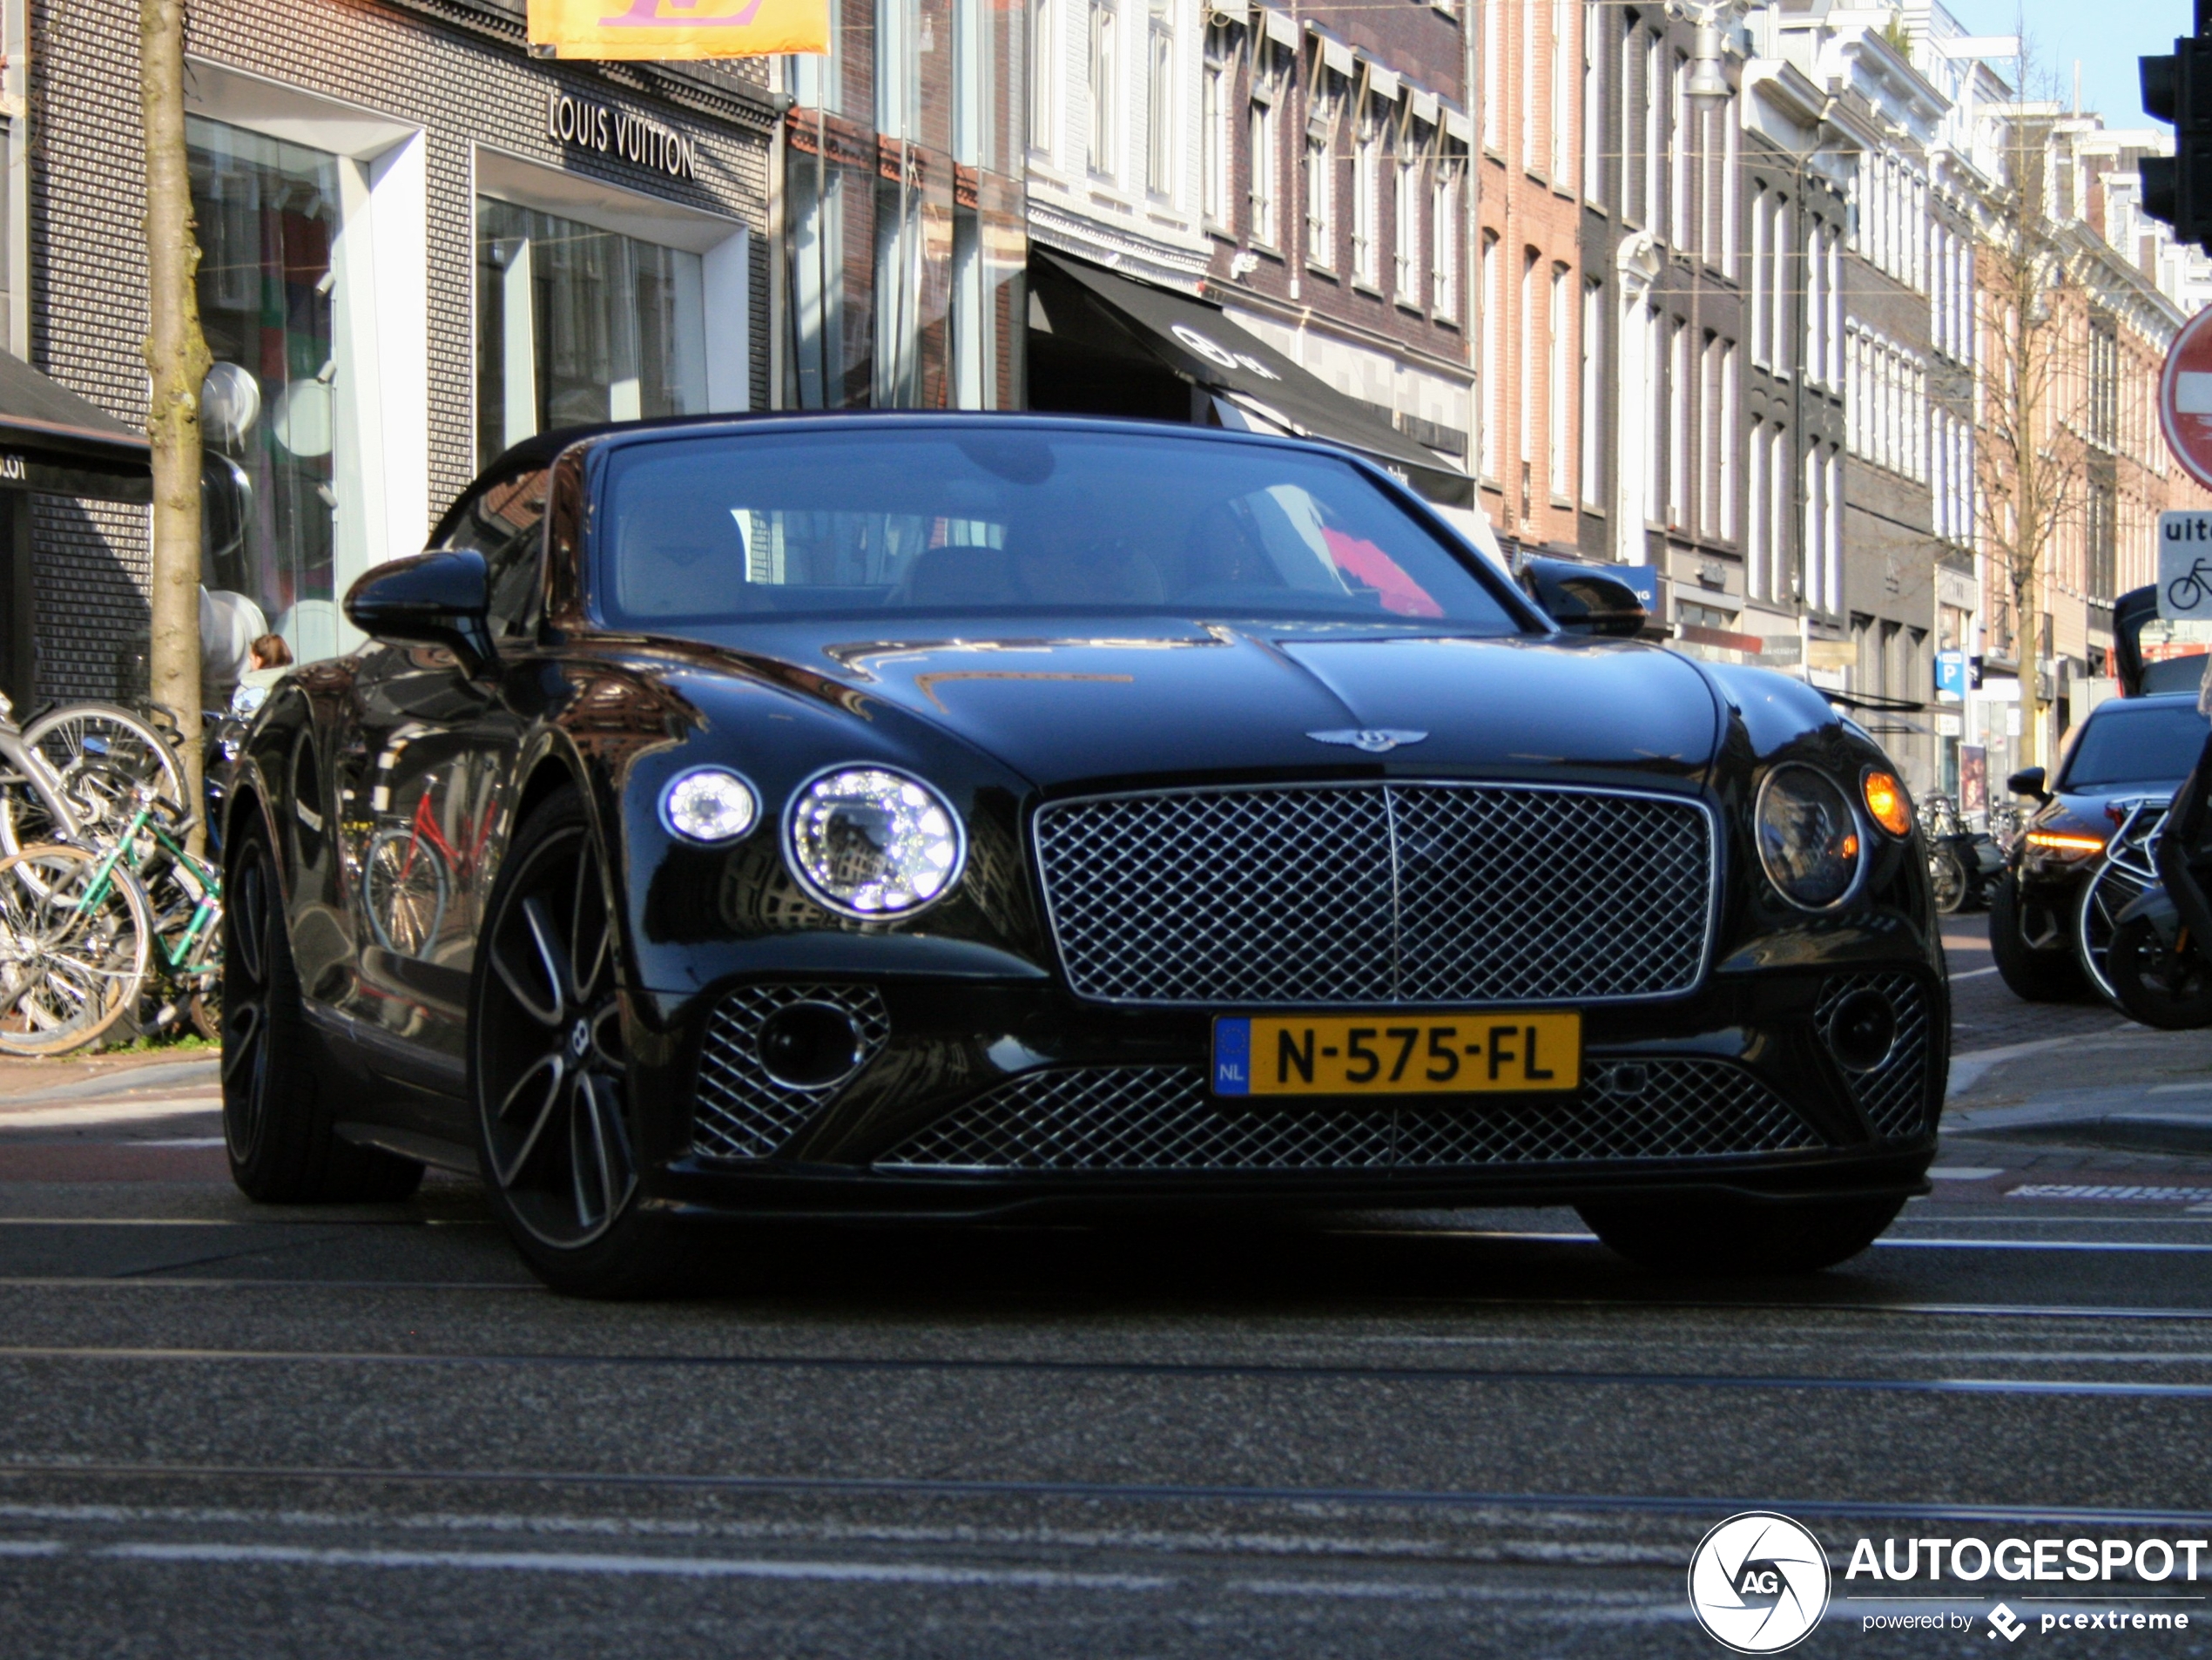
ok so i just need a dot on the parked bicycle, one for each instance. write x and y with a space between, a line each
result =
185 894
1961 859
409 874
76 936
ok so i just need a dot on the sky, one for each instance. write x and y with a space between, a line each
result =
2106 36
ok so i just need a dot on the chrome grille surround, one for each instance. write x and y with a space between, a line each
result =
1897 1096
1376 894
1144 1118
739 1111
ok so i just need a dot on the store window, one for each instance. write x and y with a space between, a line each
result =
576 324
274 410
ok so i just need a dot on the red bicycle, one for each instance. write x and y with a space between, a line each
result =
408 877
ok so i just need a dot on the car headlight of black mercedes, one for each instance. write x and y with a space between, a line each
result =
1809 837
872 842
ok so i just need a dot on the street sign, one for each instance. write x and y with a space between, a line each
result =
2185 398
2185 566
1951 675
678 29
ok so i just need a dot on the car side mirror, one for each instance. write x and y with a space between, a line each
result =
1583 599
439 598
2028 782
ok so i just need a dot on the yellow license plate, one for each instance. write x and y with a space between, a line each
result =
1473 1053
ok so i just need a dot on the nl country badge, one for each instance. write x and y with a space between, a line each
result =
675 29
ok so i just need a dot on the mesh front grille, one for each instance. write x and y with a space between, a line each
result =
1377 893
1897 1096
1161 1118
740 1111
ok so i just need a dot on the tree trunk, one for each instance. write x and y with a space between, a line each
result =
177 362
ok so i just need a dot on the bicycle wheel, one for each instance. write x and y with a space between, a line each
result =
71 966
1949 875
102 753
28 803
403 890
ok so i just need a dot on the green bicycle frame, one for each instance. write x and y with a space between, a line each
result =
205 913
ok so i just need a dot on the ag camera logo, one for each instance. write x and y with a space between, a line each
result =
1758 1583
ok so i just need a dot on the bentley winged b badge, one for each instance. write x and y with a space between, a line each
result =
1375 740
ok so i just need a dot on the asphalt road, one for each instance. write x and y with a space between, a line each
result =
368 1433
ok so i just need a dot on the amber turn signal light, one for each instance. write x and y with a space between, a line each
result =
1887 801
2059 841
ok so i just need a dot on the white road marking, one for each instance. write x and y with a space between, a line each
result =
1962 1172
31 1547
1973 974
2131 1193
563 1561
2196 1087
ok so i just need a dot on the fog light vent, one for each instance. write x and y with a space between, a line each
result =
1878 1027
774 1057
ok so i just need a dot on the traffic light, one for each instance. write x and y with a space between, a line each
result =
2178 188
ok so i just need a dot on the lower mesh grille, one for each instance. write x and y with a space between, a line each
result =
741 1112
1162 1119
1897 1096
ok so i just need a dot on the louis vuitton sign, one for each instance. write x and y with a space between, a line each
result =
585 125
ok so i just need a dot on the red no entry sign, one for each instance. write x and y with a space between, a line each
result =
2185 398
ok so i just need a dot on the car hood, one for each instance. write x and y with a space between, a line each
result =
1093 700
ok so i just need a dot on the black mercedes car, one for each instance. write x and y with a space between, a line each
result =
2130 751
995 816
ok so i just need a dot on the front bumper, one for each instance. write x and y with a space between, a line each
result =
980 1098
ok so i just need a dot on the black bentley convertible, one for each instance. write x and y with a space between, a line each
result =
987 816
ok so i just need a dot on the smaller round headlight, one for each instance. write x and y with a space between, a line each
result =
870 842
1808 837
1887 801
709 804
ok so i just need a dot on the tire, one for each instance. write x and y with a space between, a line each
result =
404 889
548 1074
70 970
2108 893
2152 986
2035 976
100 751
1948 874
1740 1236
284 1148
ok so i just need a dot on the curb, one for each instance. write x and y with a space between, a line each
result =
168 1075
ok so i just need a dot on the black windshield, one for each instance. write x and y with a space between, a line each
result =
724 527
2140 746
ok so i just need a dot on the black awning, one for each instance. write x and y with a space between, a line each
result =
56 443
1200 344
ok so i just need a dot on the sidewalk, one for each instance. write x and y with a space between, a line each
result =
2069 1090
24 1082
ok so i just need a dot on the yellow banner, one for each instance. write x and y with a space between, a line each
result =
673 28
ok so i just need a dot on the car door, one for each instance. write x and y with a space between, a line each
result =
428 765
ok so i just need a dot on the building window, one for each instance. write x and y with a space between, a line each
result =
1816 353
1727 444
1755 569
1558 384
1406 218
1159 111
1366 205
1493 71
1678 146
1492 388
1563 106
1678 408
1529 357
269 215
1214 116
1531 56
1762 275
1785 586
1592 393
1444 240
1265 166
1105 136
1593 107
1633 204
1321 173
1654 134
1784 250
1731 185
1043 64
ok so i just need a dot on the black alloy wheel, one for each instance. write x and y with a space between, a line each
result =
1733 1238
548 1071
277 1126
2166 986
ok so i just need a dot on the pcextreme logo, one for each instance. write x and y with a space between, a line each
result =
1758 1583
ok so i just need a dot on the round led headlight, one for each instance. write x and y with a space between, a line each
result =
870 842
1808 836
708 804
